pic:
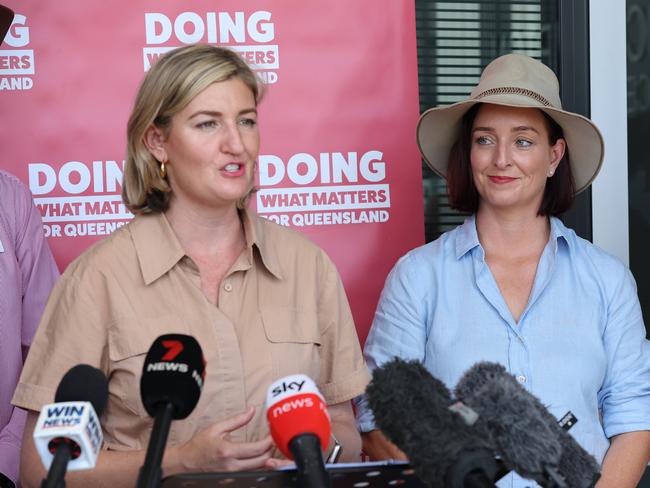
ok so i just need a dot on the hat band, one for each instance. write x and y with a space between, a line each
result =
509 90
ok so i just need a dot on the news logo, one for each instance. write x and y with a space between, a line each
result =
295 406
17 65
166 356
174 348
75 423
249 34
294 393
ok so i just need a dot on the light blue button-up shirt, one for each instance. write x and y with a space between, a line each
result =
579 345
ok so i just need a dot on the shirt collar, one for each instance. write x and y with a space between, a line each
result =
158 248
559 232
467 237
156 245
254 228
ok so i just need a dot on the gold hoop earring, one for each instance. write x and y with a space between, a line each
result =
163 170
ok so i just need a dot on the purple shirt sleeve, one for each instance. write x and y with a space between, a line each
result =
27 274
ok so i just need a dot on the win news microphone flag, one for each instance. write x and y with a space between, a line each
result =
68 435
171 384
300 426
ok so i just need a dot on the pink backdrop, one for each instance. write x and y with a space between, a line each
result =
338 158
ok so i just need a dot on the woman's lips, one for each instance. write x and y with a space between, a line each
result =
234 169
501 179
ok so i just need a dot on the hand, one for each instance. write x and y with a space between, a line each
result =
211 450
379 448
275 463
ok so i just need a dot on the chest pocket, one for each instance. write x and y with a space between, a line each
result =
294 338
129 342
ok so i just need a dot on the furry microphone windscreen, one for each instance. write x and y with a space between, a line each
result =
579 468
412 408
525 434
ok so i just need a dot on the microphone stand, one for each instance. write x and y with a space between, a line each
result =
309 461
56 475
150 474
475 468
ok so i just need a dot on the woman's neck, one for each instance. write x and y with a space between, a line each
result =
511 233
206 233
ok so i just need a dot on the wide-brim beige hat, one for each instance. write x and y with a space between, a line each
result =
514 80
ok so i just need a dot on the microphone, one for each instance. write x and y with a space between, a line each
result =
300 426
170 387
412 408
527 436
68 435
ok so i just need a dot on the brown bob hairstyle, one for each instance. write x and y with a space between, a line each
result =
463 196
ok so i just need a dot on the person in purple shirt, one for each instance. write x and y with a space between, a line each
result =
27 274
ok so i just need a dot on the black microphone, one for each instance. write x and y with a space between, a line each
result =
69 428
526 435
171 384
412 408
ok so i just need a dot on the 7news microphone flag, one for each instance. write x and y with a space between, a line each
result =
171 384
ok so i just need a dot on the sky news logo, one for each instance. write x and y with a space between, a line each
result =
17 65
250 35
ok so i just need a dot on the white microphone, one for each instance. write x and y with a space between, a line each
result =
68 435
72 423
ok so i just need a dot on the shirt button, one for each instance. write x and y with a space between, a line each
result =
227 287
521 378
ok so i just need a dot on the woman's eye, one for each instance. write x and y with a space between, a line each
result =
524 143
482 140
248 122
207 124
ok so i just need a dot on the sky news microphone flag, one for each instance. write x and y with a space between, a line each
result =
300 426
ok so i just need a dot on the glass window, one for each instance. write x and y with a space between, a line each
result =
638 131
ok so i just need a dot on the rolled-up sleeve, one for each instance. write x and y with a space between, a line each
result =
71 332
344 373
625 395
398 328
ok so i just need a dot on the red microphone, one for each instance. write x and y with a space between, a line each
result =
300 426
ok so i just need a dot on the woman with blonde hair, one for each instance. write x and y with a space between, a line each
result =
512 284
262 300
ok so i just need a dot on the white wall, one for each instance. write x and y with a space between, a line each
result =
609 111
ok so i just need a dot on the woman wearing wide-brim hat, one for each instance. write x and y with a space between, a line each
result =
512 284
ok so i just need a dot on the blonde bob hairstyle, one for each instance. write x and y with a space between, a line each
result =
169 86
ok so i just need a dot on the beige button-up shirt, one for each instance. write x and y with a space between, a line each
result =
281 310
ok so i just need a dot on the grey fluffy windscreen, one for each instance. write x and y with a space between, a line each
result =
411 408
525 434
